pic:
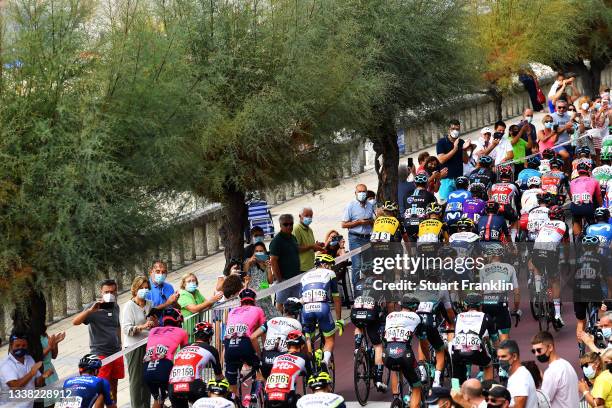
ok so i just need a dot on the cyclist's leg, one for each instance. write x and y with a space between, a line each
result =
438 344
503 322
459 367
328 327
410 372
233 363
373 331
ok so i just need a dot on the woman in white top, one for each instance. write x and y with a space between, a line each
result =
136 323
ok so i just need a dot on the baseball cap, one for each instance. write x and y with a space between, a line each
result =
486 130
437 393
498 391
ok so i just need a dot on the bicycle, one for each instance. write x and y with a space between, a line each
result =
540 302
364 372
318 350
254 398
590 325
402 399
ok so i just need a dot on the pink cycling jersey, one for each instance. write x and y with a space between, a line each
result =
585 190
244 320
163 342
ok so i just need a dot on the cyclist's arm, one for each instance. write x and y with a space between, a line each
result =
105 395
255 335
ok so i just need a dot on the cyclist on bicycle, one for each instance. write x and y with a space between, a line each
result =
400 327
585 197
602 229
496 302
242 321
547 156
319 286
507 195
464 240
532 170
583 155
187 375
159 356
367 315
555 181
387 228
454 205
275 333
86 389
321 385
473 208
217 396
461 193
281 383
472 331
529 199
432 229
537 216
492 226
484 174
415 205
428 333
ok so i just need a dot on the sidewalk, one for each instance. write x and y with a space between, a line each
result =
328 206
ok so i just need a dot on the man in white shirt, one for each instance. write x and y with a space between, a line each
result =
490 145
560 382
18 371
520 383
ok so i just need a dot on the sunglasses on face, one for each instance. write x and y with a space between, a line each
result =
537 350
287 224
548 121
561 107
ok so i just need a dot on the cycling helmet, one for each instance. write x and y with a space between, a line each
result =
409 301
324 259
389 206
534 182
485 160
465 224
433 208
478 190
462 182
295 338
583 150
220 387
293 306
247 295
602 214
548 154
420 179
589 240
320 380
556 213
493 249
172 317
90 362
534 161
556 163
492 207
583 168
473 300
545 198
203 330
505 172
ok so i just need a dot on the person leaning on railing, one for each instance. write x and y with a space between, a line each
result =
193 302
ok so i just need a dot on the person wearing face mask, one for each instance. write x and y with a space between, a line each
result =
605 325
498 396
135 324
547 137
520 146
596 374
192 301
161 293
358 218
257 236
439 397
102 318
452 154
306 241
520 383
258 270
560 382
19 371
562 124
530 133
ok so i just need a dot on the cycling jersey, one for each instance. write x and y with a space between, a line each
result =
505 194
401 326
591 269
551 233
492 227
485 177
495 274
163 342
470 328
453 212
525 175
366 314
584 190
283 376
529 200
554 182
473 208
463 243
415 205
84 391
243 321
431 230
386 229
458 196
213 403
276 330
601 230
536 218
321 399
318 287
190 362
575 164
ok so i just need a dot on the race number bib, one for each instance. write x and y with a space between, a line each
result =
236 330
582 198
313 307
364 302
380 237
397 334
275 344
314 295
71 402
426 307
278 380
467 341
183 373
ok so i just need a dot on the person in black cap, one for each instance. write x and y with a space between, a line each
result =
439 397
498 396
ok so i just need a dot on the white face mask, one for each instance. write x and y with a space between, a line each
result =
585 106
108 298
454 133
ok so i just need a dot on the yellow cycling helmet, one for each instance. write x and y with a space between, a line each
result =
324 259
319 381
389 206
220 387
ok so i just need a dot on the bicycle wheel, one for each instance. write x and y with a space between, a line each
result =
332 371
258 402
397 402
361 376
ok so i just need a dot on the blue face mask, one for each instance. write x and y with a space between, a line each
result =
191 287
258 239
160 278
261 256
307 221
598 106
607 332
20 352
588 372
548 125
142 293
361 196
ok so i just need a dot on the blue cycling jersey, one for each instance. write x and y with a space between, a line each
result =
84 390
601 230
458 196
525 175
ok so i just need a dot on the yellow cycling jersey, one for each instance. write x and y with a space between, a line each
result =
386 224
430 228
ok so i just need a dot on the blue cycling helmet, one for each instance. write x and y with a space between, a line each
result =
462 182
534 161
420 179
90 362
486 160
590 240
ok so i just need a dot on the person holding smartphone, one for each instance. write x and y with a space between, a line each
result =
257 269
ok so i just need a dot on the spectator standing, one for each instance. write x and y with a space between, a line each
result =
562 125
520 383
162 293
499 396
285 259
50 350
233 267
136 322
358 218
601 378
536 374
257 236
520 146
432 169
404 187
547 137
470 395
451 154
258 270
494 147
560 382
19 371
553 91
102 318
605 324
421 161
529 133
306 241
193 302
334 244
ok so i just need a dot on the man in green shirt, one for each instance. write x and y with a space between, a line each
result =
285 260
519 146
306 241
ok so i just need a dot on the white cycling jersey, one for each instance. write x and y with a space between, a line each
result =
551 233
537 217
463 243
468 330
400 326
495 274
529 200
320 399
276 330
319 285
213 403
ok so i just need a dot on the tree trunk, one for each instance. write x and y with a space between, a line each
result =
234 223
590 78
29 317
385 146
498 99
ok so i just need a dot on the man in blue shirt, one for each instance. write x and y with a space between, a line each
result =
358 218
451 154
162 293
404 187
562 123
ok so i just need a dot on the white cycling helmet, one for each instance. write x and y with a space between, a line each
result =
534 181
